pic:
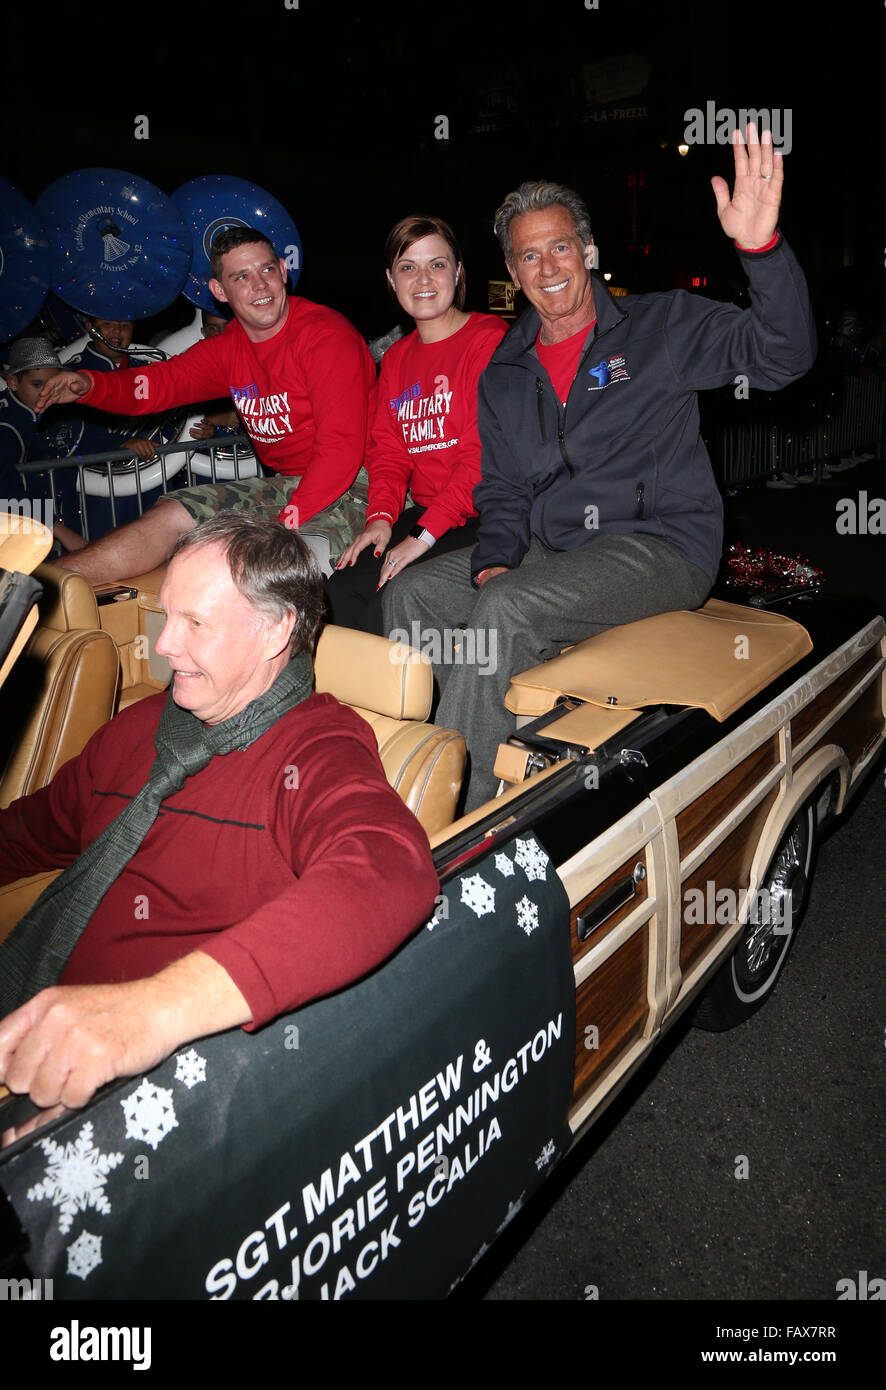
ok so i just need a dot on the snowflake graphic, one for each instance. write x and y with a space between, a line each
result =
504 865
84 1255
149 1113
527 915
513 1208
546 1155
75 1177
478 895
532 859
190 1068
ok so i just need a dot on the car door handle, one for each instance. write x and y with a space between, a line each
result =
614 898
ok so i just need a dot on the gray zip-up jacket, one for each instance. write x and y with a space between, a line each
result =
625 454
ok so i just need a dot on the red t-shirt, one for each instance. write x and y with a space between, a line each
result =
303 396
424 432
560 360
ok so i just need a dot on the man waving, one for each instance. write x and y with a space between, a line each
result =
597 503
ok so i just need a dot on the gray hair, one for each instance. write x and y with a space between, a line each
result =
535 196
271 566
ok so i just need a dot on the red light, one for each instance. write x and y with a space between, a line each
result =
695 282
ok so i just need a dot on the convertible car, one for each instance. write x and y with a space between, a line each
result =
650 851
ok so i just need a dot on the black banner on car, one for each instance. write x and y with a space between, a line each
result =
373 1144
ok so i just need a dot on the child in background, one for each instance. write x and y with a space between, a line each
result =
26 437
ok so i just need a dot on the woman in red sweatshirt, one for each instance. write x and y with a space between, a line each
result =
424 433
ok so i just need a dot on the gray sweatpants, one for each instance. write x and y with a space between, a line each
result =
522 617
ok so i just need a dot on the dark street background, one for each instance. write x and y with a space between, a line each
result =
334 107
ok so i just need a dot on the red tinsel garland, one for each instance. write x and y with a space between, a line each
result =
766 569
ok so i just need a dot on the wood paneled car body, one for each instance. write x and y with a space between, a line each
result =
652 851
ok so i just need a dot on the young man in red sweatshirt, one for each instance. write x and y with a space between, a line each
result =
301 380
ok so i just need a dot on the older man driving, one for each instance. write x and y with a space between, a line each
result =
231 849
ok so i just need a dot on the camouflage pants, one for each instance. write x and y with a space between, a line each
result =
337 524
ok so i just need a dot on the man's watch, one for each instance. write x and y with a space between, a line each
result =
422 535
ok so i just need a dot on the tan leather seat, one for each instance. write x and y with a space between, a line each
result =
135 623
61 689
391 687
24 542
715 658
425 764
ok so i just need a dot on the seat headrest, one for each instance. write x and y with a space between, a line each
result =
362 669
68 602
24 542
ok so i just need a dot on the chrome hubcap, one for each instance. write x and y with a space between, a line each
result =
780 900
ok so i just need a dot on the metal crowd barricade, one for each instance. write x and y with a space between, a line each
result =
748 451
238 444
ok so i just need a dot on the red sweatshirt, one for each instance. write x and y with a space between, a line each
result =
304 396
424 434
292 863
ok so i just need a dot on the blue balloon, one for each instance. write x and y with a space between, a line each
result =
212 203
120 248
24 262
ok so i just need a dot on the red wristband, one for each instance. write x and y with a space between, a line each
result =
768 247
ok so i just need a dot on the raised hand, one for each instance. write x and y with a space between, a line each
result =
61 389
751 214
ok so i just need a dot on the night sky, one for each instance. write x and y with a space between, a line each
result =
332 107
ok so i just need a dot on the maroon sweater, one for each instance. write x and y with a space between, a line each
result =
293 863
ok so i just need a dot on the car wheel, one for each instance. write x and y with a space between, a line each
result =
748 977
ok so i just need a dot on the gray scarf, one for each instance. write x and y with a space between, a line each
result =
37 950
